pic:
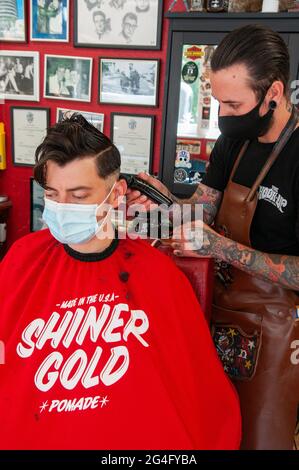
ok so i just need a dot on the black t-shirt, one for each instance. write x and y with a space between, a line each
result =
275 226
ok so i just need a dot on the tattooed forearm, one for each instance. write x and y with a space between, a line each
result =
210 199
280 269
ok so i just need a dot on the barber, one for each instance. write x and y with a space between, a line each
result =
250 196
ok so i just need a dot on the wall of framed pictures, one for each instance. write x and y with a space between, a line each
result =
51 63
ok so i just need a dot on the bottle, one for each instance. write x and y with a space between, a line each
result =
216 6
2 147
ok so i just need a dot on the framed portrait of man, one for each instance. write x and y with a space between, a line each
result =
49 20
12 21
124 24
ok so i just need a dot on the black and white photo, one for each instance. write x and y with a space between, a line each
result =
37 204
68 78
130 24
28 128
12 20
19 75
96 119
49 20
128 81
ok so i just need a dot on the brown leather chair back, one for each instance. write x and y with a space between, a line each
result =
200 272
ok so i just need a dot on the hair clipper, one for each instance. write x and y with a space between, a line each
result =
134 182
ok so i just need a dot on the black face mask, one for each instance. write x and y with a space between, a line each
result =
247 126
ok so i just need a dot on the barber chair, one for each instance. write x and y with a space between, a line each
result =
200 273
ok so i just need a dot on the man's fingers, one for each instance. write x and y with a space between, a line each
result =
144 176
132 194
136 197
154 182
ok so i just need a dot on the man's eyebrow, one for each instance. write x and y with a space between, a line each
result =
231 102
227 101
77 188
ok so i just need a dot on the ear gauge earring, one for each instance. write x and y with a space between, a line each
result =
272 105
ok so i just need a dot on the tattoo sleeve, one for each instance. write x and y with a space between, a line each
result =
210 199
280 269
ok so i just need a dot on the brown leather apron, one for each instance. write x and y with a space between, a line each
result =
254 325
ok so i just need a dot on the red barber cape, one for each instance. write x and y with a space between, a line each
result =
107 351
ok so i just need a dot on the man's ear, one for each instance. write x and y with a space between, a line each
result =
118 193
276 92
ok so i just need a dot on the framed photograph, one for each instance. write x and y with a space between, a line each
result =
123 24
67 77
96 119
19 75
133 136
49 20
128 81
28 128
12 21
37 205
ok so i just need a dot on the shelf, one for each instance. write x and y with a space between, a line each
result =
197 14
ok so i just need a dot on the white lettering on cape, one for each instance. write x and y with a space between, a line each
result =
109 325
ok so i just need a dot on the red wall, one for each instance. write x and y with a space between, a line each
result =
15 181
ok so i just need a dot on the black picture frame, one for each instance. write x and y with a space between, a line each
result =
151 118
119 45
131 97
29 109
36 205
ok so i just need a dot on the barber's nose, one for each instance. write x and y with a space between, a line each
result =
224 110
221 110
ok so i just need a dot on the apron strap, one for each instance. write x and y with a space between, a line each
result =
239 157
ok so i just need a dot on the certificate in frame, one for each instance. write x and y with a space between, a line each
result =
133 135
37 205
28 127
129 81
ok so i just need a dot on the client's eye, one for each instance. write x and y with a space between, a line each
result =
79 196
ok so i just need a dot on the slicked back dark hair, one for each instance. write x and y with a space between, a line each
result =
261 50
75 138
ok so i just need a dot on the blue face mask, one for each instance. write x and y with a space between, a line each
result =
74 223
